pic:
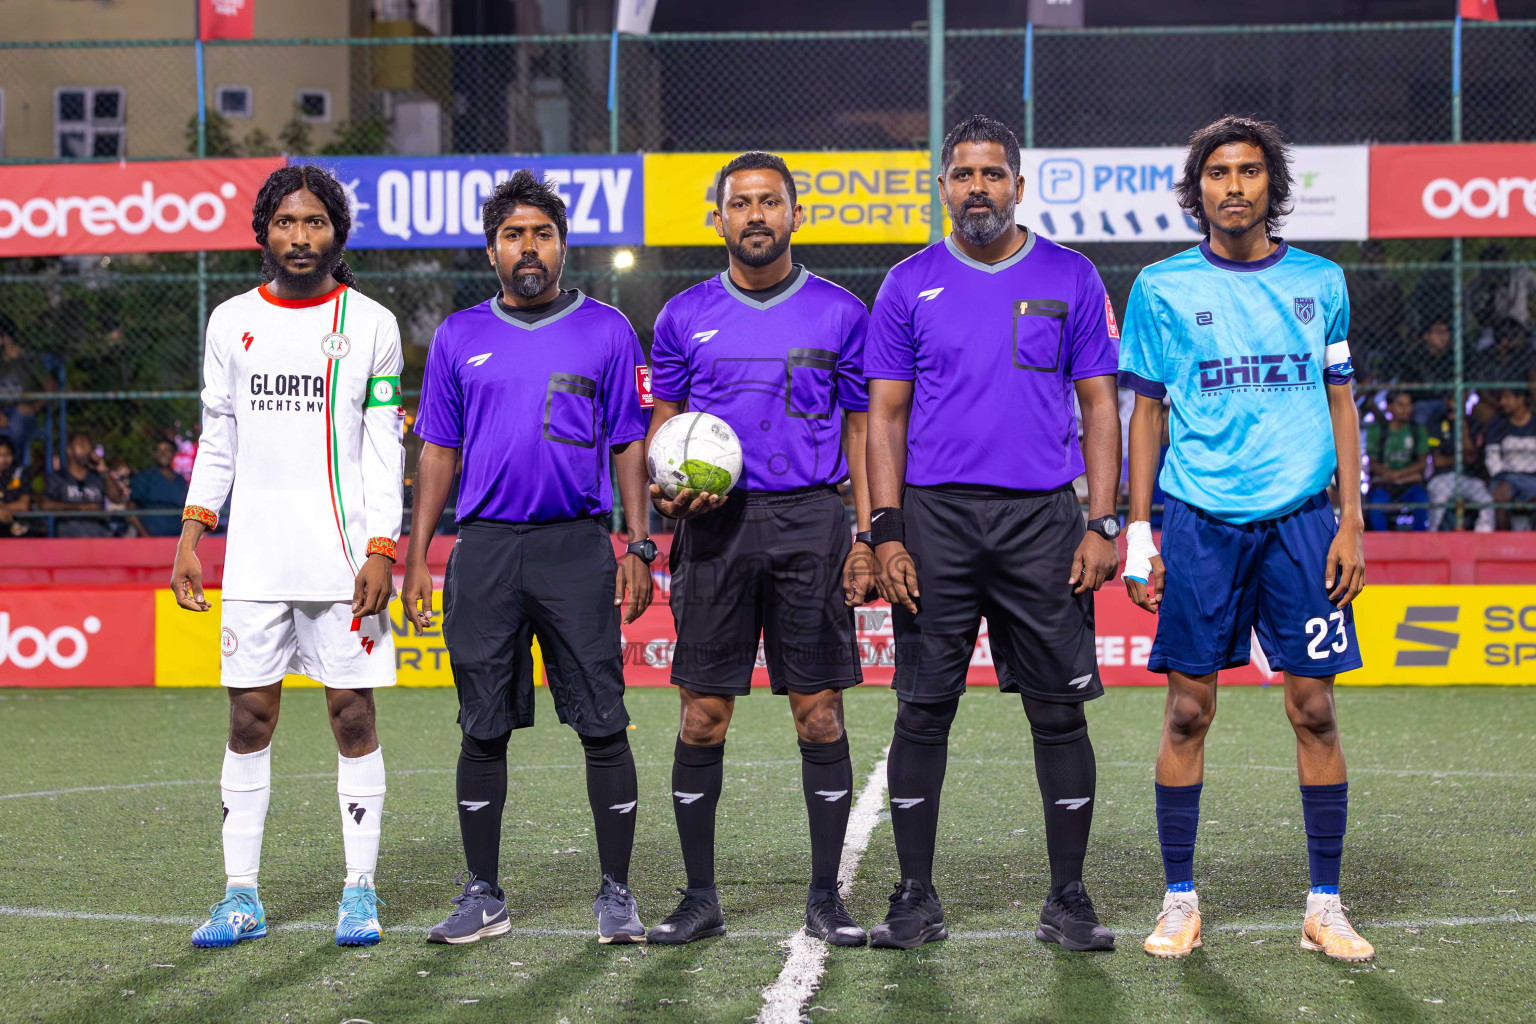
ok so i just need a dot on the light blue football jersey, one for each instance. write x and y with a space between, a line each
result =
1243 351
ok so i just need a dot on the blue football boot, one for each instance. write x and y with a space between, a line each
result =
235 918
357 917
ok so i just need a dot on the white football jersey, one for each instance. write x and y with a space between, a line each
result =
302 417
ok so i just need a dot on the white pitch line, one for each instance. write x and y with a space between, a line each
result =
396 772
959 934
784 1001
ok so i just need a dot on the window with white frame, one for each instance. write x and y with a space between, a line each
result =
90 121
314 105
234 100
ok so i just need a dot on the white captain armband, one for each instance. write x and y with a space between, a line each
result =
1337 367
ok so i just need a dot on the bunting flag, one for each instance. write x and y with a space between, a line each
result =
1480 10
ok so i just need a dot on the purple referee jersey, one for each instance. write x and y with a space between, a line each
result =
535 408
777 370
992 351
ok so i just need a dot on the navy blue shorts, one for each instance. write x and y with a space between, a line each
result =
1225 581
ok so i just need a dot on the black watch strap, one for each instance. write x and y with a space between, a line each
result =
644 549
865 537
1107 527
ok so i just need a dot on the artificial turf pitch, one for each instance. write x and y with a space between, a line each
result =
109 807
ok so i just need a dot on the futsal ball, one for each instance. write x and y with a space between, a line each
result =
697 451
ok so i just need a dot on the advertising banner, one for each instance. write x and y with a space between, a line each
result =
1070 195
434 202
154 206
1482 191
77 636
1437 635
1126 195
226 19
852 197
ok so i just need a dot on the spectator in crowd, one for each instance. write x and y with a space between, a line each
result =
19 373
159 487
1498 294
82 485
1511 451
1378 311
1450 484
1431 361
15 492
1509 360
1397 450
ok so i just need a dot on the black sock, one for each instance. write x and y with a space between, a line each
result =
915 771
697 775
614 795
826 775
1065 769
482 793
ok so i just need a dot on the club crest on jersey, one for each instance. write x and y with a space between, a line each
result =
1306 309
228 643
335 346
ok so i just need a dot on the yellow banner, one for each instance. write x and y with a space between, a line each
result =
862 196
187 646
1437 635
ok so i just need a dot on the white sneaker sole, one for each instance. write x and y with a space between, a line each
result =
489 931
1173 954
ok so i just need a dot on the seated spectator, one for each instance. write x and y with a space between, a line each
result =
15 492
1451 485
159 487
1511 452
1431 361
1510 360
19 373
1397 449
83 485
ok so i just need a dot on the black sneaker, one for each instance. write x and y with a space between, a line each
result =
696 917
827 918
478 913
915 917
618 918
1068 918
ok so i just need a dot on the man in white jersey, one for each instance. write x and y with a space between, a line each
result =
302 418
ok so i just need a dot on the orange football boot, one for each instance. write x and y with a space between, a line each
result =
1328 931
1178 926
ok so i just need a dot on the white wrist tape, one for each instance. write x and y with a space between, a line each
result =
1139 552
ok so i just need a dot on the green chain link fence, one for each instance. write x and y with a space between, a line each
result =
112 341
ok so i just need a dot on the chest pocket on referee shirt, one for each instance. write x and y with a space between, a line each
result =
1039 334
570 410
809 387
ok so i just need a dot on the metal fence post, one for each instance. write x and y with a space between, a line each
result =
613 92
1458 312
1029 85
935 115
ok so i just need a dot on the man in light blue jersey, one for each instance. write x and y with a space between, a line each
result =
1245 336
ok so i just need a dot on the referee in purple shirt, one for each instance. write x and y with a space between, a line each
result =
976 347
537 388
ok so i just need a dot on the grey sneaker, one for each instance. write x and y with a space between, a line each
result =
618 918
478 913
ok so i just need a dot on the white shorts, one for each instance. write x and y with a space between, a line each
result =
262 641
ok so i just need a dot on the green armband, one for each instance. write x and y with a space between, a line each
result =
383 391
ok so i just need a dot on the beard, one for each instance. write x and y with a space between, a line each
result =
982 227
1254 214
274 269
758 257
525 286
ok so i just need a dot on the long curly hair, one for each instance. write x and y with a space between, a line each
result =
285 181
1269 140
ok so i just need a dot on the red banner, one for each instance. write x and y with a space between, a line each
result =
162 206
1481 191
225 19
77 637
1479 10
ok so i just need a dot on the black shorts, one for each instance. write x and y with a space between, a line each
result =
1008 558
769 565
509 583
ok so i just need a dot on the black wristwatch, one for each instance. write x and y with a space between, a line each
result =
645 549
1107 527
864 537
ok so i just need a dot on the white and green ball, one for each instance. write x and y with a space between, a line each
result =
697 451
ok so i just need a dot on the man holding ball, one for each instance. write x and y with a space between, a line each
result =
777 353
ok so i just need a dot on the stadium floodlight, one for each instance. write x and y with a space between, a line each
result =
623 259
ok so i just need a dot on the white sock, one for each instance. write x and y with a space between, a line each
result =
246 788
360 789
